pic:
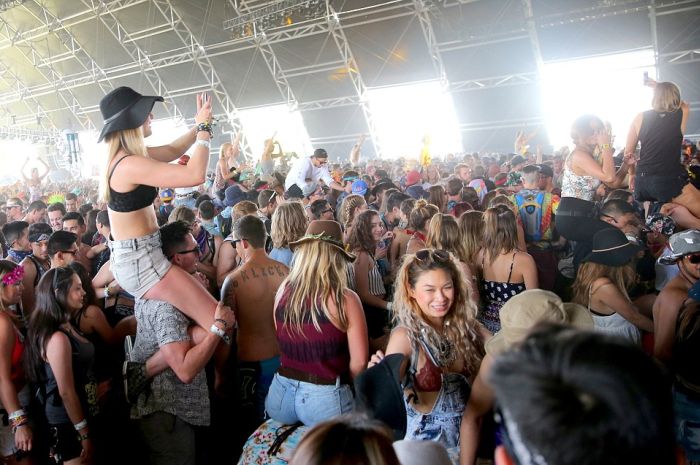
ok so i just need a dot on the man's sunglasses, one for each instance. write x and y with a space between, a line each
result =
694 258
185 252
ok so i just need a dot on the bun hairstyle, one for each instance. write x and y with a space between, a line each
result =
420 215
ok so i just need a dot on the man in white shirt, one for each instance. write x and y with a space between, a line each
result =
311 170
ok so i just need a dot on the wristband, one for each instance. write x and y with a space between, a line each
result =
389 305
17 414
223 322
203 143
605 147
83 437
107 293
221 333
205 127
80 425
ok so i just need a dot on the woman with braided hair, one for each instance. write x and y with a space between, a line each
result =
352 205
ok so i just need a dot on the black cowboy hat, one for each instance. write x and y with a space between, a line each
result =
124 108
379 394
612 248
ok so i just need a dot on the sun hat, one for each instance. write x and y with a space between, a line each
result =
420 452
378 393
412 177
326 231
523 311
359 187
682 243
233 195
611 247
124 108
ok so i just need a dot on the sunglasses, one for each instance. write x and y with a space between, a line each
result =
694 258
185 252
433 254
330 210
236 241
70 252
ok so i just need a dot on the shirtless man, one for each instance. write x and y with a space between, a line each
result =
250 291
686 255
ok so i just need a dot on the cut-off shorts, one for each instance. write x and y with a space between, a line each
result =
138 264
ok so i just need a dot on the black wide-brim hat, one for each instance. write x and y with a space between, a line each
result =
612 248
124 108
378 393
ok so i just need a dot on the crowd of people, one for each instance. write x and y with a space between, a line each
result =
522 308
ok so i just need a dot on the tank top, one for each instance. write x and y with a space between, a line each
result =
614 324
495 295
125 202
660 137
324 354
16 365
580 187
82 358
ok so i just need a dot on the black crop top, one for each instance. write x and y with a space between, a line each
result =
137 199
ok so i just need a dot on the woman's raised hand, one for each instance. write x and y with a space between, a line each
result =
377 357
203 109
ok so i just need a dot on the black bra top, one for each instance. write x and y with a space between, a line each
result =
125 202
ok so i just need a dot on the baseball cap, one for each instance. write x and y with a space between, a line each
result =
167 194
682 243
359 187
516 160
412 177
546 170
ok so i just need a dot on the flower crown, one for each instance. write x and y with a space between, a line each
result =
13 277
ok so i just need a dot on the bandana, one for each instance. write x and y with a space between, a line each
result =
18 255
13 277
40 238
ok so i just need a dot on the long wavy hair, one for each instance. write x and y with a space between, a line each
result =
289 223
443 233
127 140
621 276
50 312
348 209
471 228
500 232
360 238
436 196
318 274
460 322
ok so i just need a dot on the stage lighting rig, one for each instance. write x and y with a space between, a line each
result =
7 4
275 15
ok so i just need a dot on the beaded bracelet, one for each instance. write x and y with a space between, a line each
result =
17 422
205 127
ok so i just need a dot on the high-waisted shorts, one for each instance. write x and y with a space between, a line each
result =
138 264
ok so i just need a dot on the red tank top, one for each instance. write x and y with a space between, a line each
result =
16 366
325 354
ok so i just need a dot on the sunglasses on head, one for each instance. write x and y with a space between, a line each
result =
434 254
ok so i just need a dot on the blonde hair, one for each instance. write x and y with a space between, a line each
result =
348 209
422 213
471 228
183 214
346 440
243 208
443 234
500 232
126 140
223 149
289 223
667 97
308 290
460 326
621 276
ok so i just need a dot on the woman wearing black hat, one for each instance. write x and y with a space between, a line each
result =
602 282
133 173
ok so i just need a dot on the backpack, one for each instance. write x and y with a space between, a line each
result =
225 225
535 213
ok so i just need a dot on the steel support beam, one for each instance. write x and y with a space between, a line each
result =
313 69
495 81
138 55
38 113
501 124
532 34
426 24
275 68
207 68
680 57
32 55
343 45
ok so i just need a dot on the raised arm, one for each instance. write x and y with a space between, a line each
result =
685 108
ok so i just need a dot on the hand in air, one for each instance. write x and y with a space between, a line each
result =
203 109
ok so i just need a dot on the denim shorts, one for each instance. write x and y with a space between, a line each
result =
442 423
687 423
289 401
138 264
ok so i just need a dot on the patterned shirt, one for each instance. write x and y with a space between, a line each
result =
158 324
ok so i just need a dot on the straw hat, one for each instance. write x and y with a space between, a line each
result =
326 231
528 308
